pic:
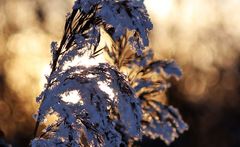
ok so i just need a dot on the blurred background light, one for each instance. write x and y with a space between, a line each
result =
202 36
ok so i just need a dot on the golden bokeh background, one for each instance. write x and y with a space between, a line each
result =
203 36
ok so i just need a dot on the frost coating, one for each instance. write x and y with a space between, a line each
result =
118 16
99 93
160 121
149 78
102 120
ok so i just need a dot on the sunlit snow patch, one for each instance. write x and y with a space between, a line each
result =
72 97
104 87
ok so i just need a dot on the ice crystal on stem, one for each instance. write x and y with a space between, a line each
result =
108 102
